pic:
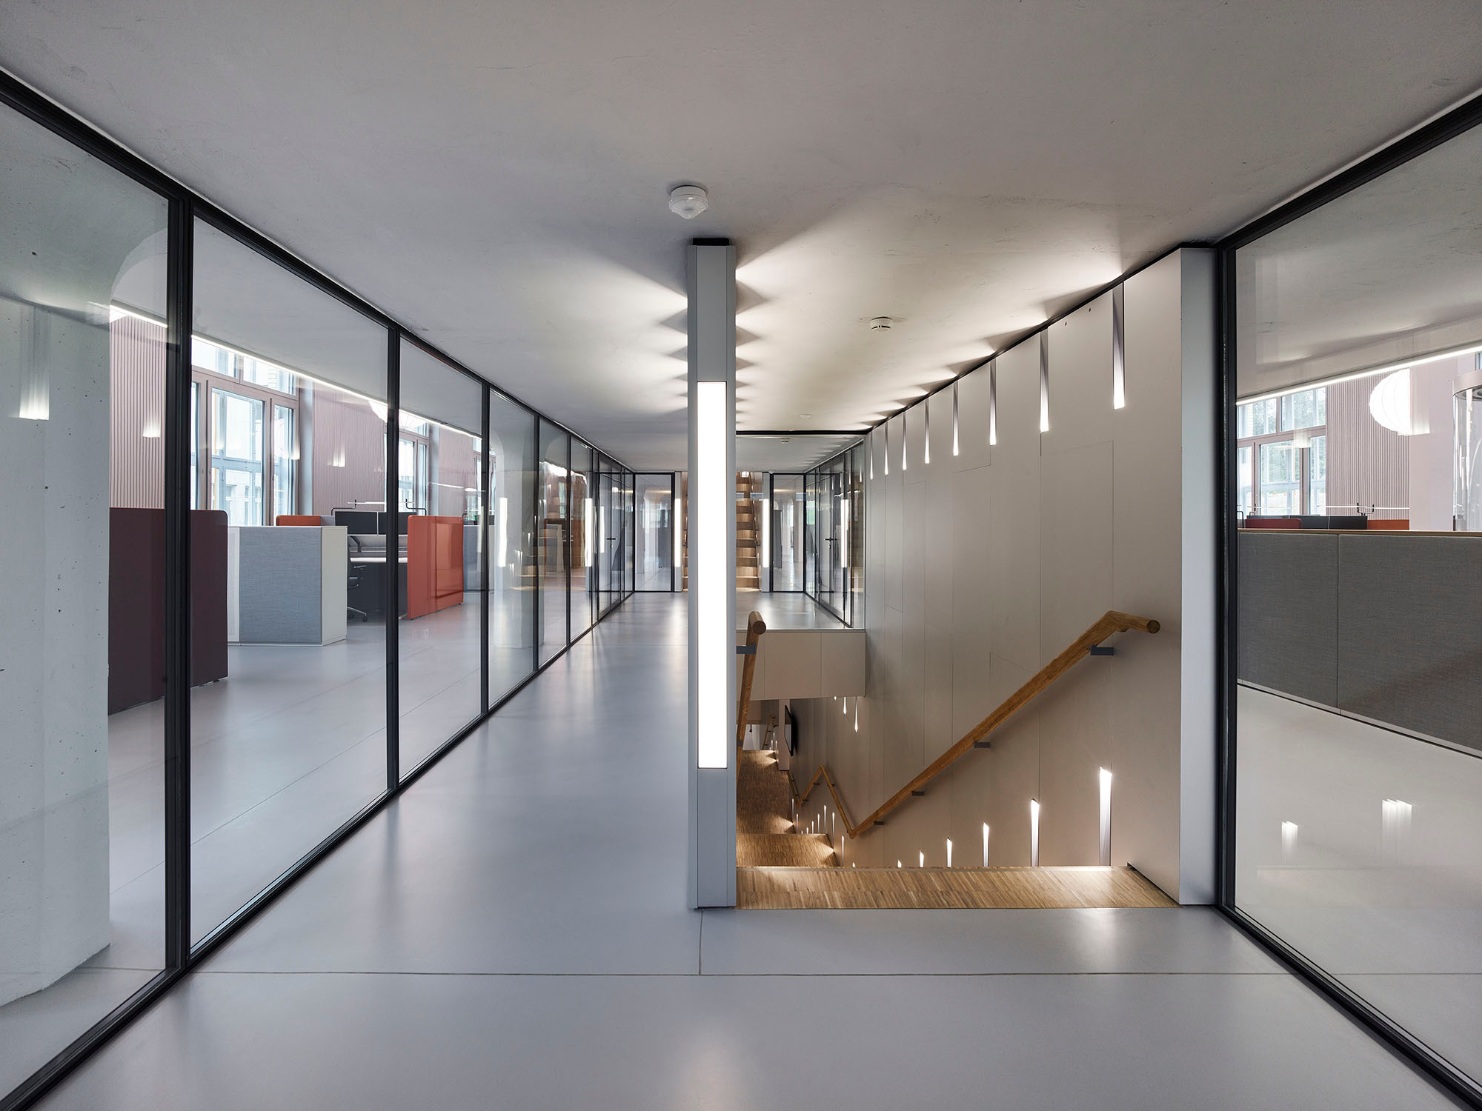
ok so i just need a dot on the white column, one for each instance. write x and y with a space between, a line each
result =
712 554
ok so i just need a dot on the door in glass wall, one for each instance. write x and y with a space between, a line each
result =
439 668
83 438
1358 699
654 533
288 720
554 538
787 542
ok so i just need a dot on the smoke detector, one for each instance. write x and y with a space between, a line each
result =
881 324
688 201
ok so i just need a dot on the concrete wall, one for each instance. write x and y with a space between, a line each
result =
54 368
982 566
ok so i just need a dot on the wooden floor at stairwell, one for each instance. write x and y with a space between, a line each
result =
777 868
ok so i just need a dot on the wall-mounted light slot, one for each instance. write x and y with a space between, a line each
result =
949 852
985 844
1044 380
886 454
711 507
956 442
1119 351
766 533
926 436
993 403
1033 833
1288 842
1105 778
905 428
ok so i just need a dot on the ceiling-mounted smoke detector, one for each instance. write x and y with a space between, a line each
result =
881 324
688 201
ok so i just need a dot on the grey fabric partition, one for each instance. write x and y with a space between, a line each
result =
1380 625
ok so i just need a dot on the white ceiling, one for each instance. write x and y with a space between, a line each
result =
494 174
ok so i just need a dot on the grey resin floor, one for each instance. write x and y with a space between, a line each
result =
512 934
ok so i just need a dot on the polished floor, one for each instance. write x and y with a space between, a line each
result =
512 933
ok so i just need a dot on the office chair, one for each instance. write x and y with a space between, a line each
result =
352 580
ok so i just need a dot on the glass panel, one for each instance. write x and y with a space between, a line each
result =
291 741
787 532
82 448
583 506
438 674
512 541
1243 478
655 532
554 538
1358 825
858 461
285 460
630 526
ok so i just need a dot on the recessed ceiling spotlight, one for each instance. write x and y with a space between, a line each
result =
688 201
881 324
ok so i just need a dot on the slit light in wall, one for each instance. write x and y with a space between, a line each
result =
922 863
1033 833
886 455
766 533
1288 842
949 852
872 457
1044 381
587 514
1119 350
956 443
1396 828
856 715
711 498
926 435
898 864
601 529
1105 778
985 844
844 535
992 402
905 428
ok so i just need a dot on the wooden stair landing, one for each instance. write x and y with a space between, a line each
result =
943 888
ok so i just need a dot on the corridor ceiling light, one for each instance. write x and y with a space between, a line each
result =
1119 350
993 403
1372 372
688 201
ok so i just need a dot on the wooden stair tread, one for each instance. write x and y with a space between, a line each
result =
818 888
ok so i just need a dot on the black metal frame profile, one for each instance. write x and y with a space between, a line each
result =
1421 1056
185 207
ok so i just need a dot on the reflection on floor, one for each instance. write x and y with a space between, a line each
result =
513 932
1362 848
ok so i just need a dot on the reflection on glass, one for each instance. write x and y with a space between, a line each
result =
439 672
583 533
788 514
1358 818
654 536
290 741
554 538
512 540
82 448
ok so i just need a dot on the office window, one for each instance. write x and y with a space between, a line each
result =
291 741
1281 457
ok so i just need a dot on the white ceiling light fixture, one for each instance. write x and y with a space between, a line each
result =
1389 403
688 201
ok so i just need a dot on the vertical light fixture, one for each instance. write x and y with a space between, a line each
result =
709 499
922 862
1044 380
885 429
956 443
1105 778
926 435
766 533
1288 842
985 844
905 429
856 715
844 535
1119 351
992 402
1034 833
503 525
872 456
949 852
587 515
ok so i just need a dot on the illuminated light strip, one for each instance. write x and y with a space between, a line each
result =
993 403
1044 381
1354 376
1119 350
1034 833
709 499
985 844
956 443
1105 823
926 436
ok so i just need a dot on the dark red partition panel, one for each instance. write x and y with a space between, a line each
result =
1271 522
434 564
299 519
136 617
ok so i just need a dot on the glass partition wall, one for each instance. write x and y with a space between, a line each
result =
1353 832
289 558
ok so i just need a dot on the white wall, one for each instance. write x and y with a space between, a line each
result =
54 651
980 568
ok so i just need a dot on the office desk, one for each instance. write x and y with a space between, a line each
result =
369 594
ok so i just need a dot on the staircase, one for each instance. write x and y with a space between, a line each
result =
748 548
765 837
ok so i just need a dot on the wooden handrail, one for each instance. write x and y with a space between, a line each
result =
755 627
1113 621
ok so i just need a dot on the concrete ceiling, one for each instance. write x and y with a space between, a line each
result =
494 175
